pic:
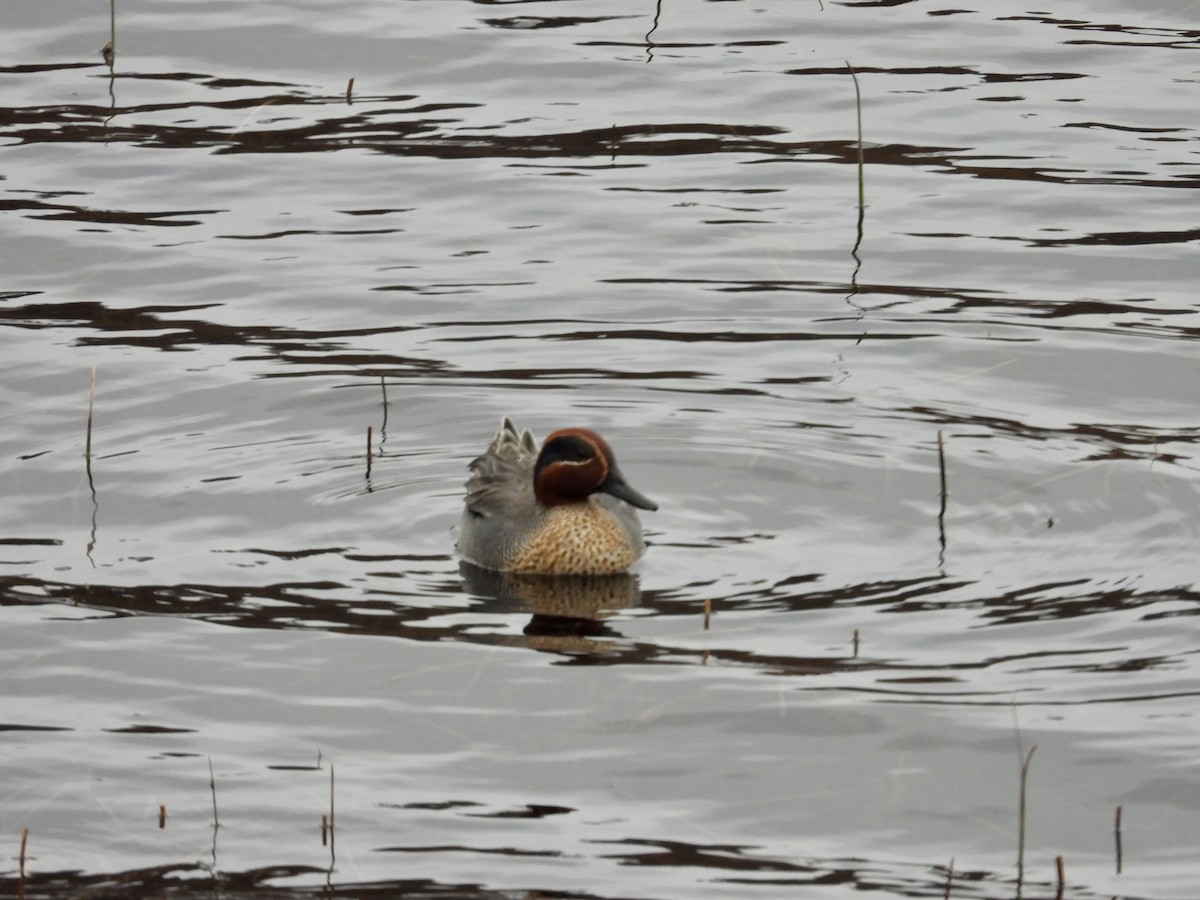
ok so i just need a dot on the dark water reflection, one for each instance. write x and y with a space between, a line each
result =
313 256
578 618
727 866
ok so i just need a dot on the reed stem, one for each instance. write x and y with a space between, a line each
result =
212 787
1117 835
1021 817
944 495
87 450
862 190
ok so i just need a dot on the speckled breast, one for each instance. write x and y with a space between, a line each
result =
577 539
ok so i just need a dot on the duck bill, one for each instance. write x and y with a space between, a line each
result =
616 485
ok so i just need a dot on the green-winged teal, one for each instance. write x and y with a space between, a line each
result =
563 510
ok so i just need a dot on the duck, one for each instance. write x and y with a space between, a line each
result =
561 509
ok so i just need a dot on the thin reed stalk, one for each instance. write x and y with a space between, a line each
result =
944 494
1117 836
862 189
1021 817
212 787
87 449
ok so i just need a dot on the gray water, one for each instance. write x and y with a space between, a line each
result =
643 218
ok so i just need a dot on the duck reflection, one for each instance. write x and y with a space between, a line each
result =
567 612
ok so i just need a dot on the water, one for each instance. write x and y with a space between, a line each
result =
642 218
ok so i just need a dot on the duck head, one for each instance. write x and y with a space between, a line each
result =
575 463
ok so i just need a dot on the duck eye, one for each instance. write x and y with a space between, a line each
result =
571 449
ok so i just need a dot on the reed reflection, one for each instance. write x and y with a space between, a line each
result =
87 462
650 45
109 53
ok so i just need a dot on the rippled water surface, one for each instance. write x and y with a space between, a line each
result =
307 254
